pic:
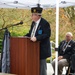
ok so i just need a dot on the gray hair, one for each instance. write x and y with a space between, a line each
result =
69 34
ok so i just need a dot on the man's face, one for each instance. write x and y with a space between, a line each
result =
35 17
68 37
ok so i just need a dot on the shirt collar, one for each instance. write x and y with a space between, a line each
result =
67 41
38 21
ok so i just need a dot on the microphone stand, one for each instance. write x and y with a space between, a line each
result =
12 25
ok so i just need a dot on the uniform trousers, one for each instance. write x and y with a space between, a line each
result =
61 63
43 67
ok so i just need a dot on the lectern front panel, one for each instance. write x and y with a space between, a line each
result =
24 56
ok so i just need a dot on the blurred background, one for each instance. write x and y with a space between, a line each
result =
9 17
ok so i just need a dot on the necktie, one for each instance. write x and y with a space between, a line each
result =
33 31
65 45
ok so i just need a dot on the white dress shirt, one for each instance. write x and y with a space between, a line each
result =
35 28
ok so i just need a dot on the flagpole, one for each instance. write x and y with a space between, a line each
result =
57 36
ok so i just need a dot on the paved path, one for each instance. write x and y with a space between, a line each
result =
49 69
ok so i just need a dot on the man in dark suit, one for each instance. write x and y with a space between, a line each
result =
40 31
65 51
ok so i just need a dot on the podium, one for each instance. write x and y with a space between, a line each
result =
24 56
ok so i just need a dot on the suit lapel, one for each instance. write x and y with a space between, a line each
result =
39 26
67 47
32 26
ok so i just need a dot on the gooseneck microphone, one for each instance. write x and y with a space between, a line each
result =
8 26
21 22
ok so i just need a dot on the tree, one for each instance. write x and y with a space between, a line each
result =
70 12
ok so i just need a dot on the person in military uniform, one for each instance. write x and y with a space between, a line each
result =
65 51
40 31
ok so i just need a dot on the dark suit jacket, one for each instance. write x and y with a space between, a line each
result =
42 34
70 50
72 63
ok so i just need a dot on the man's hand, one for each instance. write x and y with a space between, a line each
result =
60 57
33 39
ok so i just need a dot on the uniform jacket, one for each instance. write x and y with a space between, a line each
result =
43 34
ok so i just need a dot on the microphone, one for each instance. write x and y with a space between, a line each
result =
8 26
21 22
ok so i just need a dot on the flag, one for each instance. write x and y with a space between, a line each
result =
5 57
